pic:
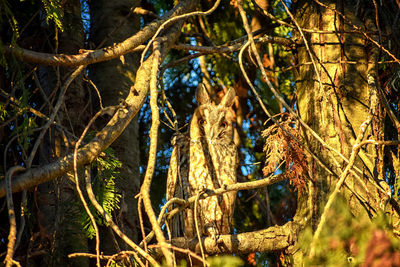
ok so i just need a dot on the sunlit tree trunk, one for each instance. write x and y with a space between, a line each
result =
334 99
113 22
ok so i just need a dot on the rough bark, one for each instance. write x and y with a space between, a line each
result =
336 107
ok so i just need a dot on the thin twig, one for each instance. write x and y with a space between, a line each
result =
56 108
22 220
284 23
360 30
140 214
96 89
88 255
306 44
380 142
78 189
176 18
186 251
196 223
121 254
114 226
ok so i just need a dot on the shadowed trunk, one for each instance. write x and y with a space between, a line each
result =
112 22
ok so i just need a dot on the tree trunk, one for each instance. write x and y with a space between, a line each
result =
112 22
59 206
334 99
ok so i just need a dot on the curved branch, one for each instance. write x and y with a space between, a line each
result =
87 57
155 123
104 138
11 214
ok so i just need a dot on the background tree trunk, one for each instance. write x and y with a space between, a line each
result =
59 206
112 22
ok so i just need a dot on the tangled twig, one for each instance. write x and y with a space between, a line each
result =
176 18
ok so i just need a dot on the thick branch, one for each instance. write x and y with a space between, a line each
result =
271 239
108 134
93 56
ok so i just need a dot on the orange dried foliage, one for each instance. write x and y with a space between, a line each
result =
234 3
280 146
251 259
